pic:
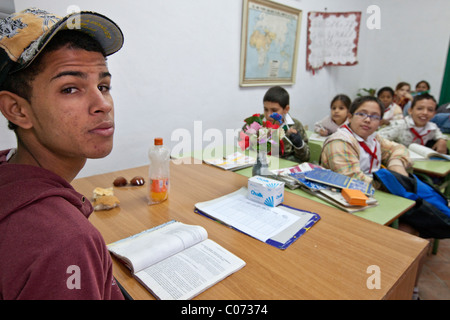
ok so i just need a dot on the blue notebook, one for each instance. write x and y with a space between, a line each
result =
338 180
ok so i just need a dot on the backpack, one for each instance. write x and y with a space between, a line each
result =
442 120
431 213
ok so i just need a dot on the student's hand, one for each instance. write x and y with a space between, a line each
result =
296 139
291 131
440 146
323 132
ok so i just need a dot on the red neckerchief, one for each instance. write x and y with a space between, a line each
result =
418 136
373 154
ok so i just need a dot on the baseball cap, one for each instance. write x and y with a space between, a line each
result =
24 35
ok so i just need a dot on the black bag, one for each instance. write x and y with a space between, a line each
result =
430 215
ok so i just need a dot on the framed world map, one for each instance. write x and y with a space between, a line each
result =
269 43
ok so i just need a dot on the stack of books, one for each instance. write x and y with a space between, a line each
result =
328 186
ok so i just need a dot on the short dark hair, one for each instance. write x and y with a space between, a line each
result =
425 82
360 100
388 89
423 96
342 97
277 94
20 82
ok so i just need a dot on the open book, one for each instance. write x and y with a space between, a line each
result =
419 152
176 261
278 226
232 162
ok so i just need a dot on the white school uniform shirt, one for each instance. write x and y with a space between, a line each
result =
366 164
288 119
389 113
400 131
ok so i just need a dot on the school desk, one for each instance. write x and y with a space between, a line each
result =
315 148
389 209
341 257
435 168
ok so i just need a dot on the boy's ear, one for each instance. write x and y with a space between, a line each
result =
288 107
15 109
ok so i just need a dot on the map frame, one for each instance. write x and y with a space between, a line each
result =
269 80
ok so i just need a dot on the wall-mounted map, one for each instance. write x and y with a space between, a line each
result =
270 35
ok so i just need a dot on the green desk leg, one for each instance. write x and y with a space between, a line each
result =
395 224
435 246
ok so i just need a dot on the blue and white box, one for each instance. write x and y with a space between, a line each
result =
267 191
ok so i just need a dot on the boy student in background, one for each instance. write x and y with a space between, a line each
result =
356 150
340 106
276 100
55 93
417 127
392 111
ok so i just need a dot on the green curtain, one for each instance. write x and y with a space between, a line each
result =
445 89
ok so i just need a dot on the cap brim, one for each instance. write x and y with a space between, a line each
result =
101 28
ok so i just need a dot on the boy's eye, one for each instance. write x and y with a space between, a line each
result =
104 88
68 90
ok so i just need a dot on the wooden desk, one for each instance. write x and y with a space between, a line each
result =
330 261
390 207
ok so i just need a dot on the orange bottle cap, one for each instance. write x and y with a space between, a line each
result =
158 141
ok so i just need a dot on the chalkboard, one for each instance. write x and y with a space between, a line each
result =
332 39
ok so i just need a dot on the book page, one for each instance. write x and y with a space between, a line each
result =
317 137
190 272
232 162
420 150
250 217
153 245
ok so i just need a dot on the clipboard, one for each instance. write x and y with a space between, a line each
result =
297 221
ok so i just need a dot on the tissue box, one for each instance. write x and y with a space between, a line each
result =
267 191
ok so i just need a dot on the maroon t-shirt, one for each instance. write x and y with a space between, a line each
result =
48 247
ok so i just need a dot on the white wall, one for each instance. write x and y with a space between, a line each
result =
180 64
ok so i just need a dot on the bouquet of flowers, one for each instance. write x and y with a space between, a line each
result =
262 135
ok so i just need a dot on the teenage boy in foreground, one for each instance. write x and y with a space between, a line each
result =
54 92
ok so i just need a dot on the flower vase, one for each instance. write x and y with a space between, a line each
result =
261 167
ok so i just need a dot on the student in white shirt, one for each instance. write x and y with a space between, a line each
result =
392 111
417 127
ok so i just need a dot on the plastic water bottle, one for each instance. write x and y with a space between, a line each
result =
158 174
